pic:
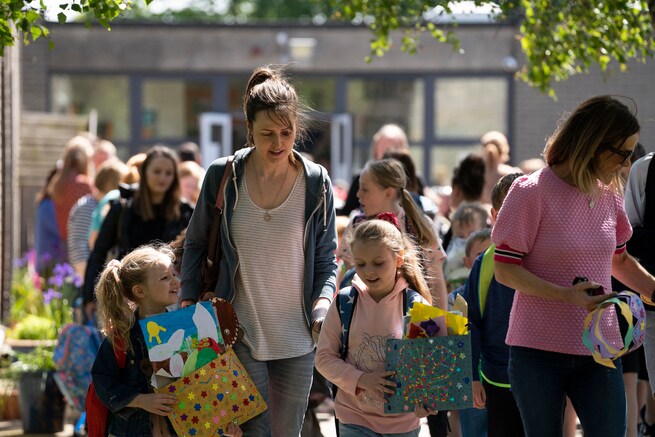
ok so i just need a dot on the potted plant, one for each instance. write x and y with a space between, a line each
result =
40 308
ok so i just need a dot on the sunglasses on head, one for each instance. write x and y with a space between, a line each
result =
625 154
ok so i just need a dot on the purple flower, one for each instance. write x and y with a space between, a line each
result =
46 258
20 263
78 281
51 294
56 280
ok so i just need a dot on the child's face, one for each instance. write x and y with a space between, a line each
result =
189 188
376 265
162 286
477 248
373 197
463 230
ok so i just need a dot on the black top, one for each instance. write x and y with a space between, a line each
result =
123 230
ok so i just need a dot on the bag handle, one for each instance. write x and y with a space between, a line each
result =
218 212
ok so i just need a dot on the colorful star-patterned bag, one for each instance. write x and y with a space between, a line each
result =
215 395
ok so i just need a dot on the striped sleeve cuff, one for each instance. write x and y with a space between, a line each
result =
506 254
620 249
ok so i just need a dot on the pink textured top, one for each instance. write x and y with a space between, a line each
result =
557 233
372 324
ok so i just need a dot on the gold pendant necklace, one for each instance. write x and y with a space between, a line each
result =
267 214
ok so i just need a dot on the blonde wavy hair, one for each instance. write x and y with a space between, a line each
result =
596 125
389 236
114 291
390 173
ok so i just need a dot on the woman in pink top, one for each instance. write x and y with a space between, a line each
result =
563 221
386 264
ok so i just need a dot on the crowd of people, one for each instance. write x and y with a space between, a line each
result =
286 252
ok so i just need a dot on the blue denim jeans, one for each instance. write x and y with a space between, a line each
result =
284 385
473 422
360 431
649 348
541 380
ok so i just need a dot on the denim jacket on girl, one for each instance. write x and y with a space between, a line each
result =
118 387
320 233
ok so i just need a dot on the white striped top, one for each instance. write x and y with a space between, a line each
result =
269 282
79 225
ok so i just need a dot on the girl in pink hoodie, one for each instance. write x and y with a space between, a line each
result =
386 264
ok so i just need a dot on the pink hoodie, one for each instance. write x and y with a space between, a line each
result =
372 324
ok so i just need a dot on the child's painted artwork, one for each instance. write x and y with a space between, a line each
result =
180 342
435 372
213 396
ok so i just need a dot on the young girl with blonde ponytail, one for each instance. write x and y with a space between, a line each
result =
141 285
383 189
388 270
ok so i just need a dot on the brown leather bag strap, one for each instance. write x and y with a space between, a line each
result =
218 212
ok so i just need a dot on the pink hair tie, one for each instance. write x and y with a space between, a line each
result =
389 217
114 263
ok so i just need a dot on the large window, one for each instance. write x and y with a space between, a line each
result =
108 95
317 92
444 158
375 102
469 107
171 108
464 109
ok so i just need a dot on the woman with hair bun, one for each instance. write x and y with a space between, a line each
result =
278 238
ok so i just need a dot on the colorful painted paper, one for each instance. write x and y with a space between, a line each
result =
215 395
181 341
456 324
435 372
434 327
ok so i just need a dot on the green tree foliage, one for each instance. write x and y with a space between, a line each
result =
236 11
26 16
559 38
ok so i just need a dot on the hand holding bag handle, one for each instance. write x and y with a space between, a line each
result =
211 263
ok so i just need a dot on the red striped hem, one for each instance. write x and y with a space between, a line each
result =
620 249
506 254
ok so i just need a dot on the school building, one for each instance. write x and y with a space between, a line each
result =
152 83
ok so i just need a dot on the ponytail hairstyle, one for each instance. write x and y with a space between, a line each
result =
143 198
268 90
390 173
386 234
114 291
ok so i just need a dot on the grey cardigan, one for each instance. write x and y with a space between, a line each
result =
320 233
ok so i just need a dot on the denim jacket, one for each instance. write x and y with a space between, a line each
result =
320 233
118 387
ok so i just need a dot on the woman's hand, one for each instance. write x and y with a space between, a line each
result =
316 329
579 296
233 430
156 403
479 395
377 382
208 295
422 412
187 303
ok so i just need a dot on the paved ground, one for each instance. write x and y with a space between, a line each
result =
326 421
327 426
